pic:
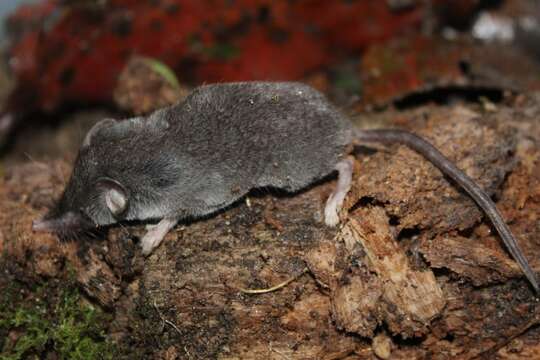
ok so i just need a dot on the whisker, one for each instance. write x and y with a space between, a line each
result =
89 233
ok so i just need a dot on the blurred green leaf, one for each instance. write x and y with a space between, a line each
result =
163 70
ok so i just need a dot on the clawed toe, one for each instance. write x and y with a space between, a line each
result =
331 217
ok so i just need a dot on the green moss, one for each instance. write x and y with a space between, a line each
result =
217 51
348 80
223 51
47 320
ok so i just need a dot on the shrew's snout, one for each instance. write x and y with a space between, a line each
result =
42 225
67 222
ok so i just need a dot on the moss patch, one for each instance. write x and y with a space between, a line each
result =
50 320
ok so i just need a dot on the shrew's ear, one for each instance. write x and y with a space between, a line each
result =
116 197
95 129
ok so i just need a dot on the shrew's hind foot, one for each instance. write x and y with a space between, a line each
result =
335 200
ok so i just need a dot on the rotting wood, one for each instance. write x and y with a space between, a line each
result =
480 264
410 299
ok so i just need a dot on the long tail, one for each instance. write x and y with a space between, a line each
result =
449 169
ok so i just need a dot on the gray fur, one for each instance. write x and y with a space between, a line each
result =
199 156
